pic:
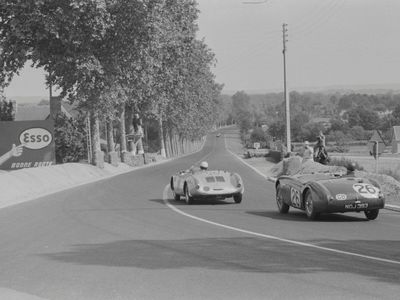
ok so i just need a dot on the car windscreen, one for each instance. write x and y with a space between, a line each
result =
210 179
220 178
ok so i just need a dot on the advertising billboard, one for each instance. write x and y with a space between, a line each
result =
26 144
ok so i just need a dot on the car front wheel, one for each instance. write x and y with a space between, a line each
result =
283 208
371 214
309 205
177 197
188 198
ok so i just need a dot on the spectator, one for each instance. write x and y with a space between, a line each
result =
308 152
320 153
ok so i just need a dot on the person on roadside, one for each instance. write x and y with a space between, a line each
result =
320 153
308 152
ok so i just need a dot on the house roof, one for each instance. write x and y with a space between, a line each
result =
377 136
30 112
396 133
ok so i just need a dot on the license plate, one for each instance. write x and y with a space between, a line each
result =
356 206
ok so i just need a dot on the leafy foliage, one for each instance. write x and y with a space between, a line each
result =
70 139
6 110
108 54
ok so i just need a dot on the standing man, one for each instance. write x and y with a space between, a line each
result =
308 153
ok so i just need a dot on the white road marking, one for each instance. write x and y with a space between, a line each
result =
271 237
247 164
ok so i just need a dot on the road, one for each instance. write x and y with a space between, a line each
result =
125 238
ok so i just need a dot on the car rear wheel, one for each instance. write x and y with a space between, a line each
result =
237 198
283 208
309 206
188 198
371 214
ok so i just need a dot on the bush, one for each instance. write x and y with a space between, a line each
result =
344 162
70 139
393 173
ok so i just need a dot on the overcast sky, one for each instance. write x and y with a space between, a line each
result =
330 43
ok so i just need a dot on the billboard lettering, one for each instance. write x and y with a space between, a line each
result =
26 144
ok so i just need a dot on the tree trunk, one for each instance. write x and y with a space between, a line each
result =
110 136
97 154
129 127
162 142
122 130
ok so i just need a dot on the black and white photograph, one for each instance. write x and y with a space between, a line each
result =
199 149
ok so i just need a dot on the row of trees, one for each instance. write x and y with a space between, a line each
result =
351 117
116 58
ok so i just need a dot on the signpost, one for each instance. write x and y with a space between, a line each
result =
376 146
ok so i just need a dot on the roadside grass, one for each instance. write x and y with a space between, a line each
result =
344 162
395 173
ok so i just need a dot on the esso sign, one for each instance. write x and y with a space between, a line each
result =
35 138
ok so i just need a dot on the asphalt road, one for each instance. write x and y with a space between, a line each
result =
125 238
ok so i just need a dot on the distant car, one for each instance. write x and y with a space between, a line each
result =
329 193
211 184
218 134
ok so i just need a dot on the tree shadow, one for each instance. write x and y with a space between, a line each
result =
246 254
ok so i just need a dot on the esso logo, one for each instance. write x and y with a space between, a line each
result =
35 138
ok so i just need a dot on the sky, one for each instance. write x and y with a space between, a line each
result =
330 43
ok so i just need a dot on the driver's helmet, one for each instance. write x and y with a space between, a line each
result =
203 165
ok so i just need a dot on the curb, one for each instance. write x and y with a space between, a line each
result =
392 207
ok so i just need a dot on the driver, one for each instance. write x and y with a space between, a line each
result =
203 165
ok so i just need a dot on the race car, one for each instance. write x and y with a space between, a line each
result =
212 184
329 193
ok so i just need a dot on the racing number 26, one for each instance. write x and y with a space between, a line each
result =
295 197
364 188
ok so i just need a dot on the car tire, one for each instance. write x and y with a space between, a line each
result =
283 208
177 197
309 206
188 198
237 198
371 214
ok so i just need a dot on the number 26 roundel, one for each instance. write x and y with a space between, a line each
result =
366 190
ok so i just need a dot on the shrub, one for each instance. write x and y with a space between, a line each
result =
70 139
393 173
344 162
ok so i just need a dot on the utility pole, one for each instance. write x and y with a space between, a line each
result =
285 92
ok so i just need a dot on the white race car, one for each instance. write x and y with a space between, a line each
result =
213 184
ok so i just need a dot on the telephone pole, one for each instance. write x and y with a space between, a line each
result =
285 92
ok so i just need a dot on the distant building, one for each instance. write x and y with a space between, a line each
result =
28 112
396 139
325 122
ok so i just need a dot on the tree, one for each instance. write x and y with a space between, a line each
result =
242 111
277 130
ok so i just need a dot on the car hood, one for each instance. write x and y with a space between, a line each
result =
351 188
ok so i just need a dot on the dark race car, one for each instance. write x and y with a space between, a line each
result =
329 193
211 184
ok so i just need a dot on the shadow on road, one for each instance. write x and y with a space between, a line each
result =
300 216
238 254
196 202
